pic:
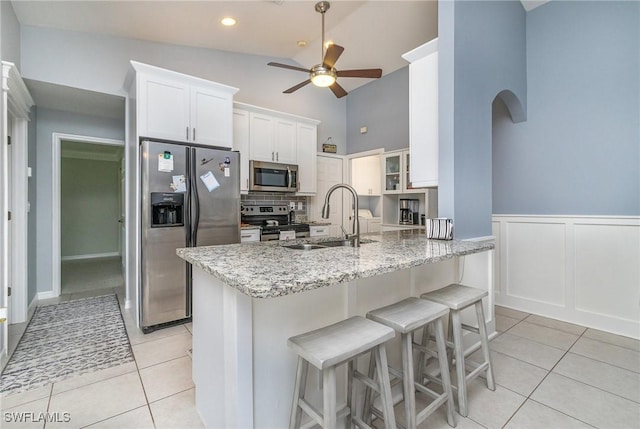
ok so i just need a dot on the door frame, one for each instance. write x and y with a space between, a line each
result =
16 104
56 251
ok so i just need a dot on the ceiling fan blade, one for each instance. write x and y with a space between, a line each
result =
338 91
297 87
372 73
286 66
332 55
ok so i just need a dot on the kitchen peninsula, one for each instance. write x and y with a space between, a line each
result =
249 298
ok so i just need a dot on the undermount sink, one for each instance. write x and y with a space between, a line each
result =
304 246
322 245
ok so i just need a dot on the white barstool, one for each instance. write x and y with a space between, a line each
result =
406 317
328 347
458 297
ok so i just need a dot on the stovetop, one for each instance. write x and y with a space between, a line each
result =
259 215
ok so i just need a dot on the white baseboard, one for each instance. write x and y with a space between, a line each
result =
90 256
32 307
40 296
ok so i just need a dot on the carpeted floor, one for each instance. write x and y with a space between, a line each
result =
66 339
91 274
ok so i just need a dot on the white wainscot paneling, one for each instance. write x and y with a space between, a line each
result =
535 256
607 267
580 269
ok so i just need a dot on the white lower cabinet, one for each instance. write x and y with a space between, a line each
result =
249 235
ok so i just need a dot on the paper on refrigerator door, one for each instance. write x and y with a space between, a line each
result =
210 181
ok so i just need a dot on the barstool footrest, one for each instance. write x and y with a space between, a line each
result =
311 411
360 423
364 379
476 372
437 402
470 328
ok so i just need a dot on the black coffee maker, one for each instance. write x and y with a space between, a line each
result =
409 211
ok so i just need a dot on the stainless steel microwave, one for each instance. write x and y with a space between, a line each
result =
273 177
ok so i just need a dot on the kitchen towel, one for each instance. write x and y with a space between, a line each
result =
440 228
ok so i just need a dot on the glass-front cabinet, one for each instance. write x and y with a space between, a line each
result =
393 173
396 172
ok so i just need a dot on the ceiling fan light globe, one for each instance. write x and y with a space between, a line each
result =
322 76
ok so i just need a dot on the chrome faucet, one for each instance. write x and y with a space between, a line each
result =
356 222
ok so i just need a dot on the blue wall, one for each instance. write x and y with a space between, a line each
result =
383 107
482 52
579 150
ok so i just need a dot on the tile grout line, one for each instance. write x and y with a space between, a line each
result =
528 397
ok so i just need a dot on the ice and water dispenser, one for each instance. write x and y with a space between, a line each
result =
167 209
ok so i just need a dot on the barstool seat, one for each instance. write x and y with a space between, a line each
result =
458 297
405 317
330 346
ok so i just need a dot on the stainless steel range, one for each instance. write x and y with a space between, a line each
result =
273 219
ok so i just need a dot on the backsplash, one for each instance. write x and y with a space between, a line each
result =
277 198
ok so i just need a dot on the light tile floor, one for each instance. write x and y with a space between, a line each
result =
549 374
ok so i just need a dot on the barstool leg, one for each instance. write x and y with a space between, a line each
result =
408 385
368 393
461 374
329 397
352 366
444 372
484 342
386 399
298 392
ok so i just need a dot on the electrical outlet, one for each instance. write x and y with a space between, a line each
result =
299 205
292 205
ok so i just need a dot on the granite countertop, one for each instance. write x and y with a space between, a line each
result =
268 269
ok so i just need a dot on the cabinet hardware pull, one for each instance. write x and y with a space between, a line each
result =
247 183
273 156
187 133
194 134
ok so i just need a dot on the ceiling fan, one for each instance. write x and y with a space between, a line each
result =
324 74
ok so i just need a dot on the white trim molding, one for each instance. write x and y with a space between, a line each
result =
16 106
579 269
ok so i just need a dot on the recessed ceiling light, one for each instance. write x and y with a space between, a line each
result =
302 43
228 21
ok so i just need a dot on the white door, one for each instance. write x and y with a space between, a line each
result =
329 174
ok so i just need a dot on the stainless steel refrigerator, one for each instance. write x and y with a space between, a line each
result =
190 197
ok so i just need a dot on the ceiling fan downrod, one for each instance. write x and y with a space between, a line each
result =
321 7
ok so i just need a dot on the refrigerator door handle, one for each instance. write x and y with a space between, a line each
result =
196 200
187 217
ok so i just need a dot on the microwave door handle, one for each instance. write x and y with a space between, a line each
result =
289 177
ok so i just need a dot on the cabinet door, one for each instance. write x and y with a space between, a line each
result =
307 137
163 109
261 138
365 175
211 119
241 144
285 141
423 120
393 173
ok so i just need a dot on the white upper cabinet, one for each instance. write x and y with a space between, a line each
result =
423 113
266 135
163 108
397 173
211 117
365 175
178 107
285 141
307 146
241 144
261 137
